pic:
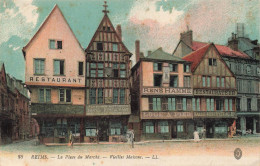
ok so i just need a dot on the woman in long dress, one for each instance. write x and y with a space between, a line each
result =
196 136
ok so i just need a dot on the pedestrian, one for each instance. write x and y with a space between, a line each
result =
204 133
196 136
71 139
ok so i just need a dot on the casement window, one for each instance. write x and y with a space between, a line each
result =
122 96
219 105
156 104
92 96
39 66
100 46
173 67
186 68
122 73
218 82
59 67
208 81
230 105
221 128
163 127
100 70
173 81
115 96
180 126
157 80
248 104
226 104
179 103
193 104
115 47
44 95
91 129
238 104
115 128
184 104
222 82
65 95
203 81
157 66
186 81
171 104
93 69
115 70
212 62
55 44
80 68
198 104
149 127
100 96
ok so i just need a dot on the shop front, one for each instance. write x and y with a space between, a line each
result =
105 129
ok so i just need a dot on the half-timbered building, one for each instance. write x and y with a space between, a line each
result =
107 84
214 91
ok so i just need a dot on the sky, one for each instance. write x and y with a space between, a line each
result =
156 23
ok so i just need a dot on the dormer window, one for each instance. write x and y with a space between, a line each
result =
55 44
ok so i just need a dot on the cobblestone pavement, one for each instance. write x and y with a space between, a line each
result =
161 153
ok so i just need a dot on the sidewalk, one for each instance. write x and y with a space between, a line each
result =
144 142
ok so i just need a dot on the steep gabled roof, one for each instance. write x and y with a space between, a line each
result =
106 18
196 56
56 7
159 54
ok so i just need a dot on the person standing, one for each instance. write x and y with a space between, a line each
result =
196 136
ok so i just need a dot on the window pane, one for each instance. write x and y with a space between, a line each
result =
122 74
100 96
92 96
198 104
62 95
208 104
48 95
115 96
68 95
61 68
41 95
212 104
80 68
122 66
93 65
208 81
230 105
56 67
122 96
59 43
92 73
52 44
115 47
184 103
100 73
100 65
218 82
222 82
203 81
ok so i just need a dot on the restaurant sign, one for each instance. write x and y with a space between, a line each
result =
215 92
166 115
166 91
214 114
108 110
56 80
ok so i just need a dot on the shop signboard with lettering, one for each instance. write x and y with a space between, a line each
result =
215 92
166 115
166 91
108 110
214 114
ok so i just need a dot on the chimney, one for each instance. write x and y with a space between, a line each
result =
119 31
186 37
141 55
233 42
149 53
137 50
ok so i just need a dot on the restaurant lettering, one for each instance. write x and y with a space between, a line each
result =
166 115
153 91
55 80
215 92
207 114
